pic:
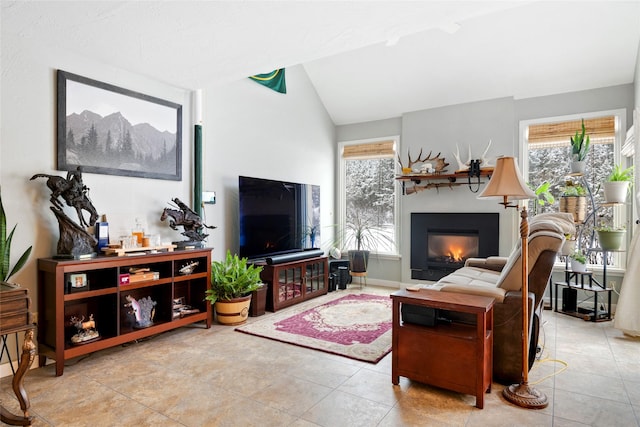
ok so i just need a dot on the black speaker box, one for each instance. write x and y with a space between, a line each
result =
569 299
425 316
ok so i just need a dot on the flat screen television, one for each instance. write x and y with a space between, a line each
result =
276 216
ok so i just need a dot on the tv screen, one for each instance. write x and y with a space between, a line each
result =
276 216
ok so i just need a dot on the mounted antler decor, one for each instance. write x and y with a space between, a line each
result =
426 167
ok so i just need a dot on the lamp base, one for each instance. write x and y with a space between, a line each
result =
525 396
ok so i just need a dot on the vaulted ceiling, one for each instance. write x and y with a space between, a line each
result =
367 60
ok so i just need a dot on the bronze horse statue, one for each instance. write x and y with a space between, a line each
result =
186 218
73 192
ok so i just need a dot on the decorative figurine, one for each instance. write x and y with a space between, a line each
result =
86 330
189 220
143 311
74 241
188 268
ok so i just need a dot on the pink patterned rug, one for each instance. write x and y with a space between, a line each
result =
357 326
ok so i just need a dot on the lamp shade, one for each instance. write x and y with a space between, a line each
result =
506 182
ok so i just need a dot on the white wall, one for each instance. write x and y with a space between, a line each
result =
248 129
253 131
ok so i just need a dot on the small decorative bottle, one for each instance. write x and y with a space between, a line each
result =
138 232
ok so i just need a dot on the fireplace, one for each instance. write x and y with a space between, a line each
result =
442 242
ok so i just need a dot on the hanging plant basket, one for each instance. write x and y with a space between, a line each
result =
610 240
575 205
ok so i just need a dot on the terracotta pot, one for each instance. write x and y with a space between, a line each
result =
234 311
615 191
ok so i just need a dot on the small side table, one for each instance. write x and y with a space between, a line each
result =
452 355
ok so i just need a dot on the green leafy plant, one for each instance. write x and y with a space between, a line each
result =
5 248
579 256
618 174
543 194
232 278
580 145
574 191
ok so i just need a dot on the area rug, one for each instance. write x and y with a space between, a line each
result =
357 326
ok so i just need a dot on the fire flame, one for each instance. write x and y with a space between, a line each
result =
455 253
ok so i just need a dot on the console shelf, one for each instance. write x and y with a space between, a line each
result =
293 282
101 291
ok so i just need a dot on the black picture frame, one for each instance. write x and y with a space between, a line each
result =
110 130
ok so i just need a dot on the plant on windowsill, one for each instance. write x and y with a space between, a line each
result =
618 184
578 262
232 282
610 238
5 249
574 201
579 149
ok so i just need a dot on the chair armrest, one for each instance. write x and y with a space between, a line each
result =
495 263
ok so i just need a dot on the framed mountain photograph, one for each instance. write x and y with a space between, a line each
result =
115 131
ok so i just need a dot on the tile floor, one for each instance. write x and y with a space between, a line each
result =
218 377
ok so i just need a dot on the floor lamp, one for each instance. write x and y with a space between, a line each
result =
506 183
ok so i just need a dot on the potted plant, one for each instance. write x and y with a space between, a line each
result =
569 245
574 201
618 184
578 261
365 235
610 238
232 282
579 149
5 248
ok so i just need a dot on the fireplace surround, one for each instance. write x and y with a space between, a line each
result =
442 241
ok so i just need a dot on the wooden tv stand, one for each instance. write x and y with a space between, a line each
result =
456 356
105 297
293 282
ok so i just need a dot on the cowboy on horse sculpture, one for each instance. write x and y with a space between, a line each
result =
74 193
186 218
74 239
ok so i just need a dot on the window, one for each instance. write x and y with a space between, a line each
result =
547 157
368 199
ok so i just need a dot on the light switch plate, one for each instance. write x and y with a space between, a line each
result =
209 197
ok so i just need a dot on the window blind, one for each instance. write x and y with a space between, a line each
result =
597 129
379 149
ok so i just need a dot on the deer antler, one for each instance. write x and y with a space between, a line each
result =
420 159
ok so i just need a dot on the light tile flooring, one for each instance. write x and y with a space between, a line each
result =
218 377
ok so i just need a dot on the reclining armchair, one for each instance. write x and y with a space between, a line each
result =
501 278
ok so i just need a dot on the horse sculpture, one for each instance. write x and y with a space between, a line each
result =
186 218
73 192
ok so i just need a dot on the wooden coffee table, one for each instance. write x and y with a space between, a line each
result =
454 355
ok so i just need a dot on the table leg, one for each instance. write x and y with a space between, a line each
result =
28 355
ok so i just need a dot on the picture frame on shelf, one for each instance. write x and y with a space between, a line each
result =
111 130
77 282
